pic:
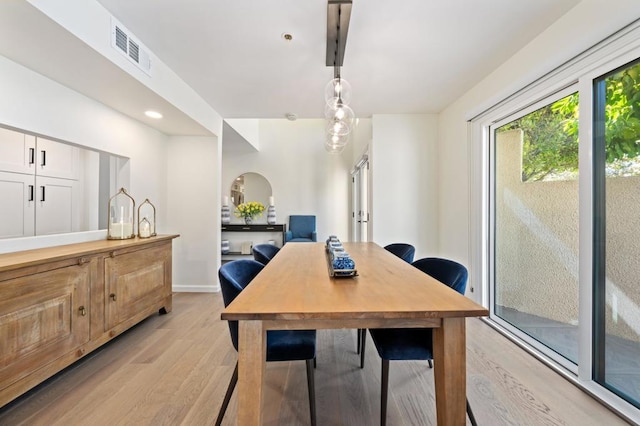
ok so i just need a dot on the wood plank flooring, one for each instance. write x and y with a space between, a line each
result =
174 370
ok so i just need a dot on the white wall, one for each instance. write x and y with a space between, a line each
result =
582 27
305 178
405 185
193 211
34 103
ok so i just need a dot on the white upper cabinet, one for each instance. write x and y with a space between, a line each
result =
18 193
55 159
17 152
40 186
56 205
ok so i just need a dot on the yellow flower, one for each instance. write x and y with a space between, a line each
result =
249 209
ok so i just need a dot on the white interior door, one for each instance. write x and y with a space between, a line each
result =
360 191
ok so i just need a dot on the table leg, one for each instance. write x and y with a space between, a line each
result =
252 353
450 371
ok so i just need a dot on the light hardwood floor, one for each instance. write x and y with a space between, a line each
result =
174 370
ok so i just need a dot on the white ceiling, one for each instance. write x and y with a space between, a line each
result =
403 56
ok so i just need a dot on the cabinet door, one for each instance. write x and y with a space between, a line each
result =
17 152
55 159
17 193
43 316
56 205
136 285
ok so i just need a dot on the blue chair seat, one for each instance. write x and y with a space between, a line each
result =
397 344
291 345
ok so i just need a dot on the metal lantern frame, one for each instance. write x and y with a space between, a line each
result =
152 224
112 226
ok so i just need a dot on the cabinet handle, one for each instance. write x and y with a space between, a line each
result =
42 188
82 260
83 311
44 158
113 296
32 155
31 192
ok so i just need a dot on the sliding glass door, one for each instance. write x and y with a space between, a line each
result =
617 231
535 223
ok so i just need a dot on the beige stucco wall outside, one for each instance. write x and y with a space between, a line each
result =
537 243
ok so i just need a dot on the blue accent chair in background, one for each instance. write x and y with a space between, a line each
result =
301 229
282 345
411 344
263 253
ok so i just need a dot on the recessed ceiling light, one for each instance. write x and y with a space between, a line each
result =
287 36
291 116
153 114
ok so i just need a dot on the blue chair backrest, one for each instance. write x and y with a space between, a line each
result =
446 271
402 250
263 253
234 277
302 226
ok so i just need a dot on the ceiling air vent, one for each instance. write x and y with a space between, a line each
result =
123 42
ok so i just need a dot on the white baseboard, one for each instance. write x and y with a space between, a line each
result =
195 289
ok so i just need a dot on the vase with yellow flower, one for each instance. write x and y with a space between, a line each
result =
249 210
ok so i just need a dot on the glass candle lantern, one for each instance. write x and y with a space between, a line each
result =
146 219
121 216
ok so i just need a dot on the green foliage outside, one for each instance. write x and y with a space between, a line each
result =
550 134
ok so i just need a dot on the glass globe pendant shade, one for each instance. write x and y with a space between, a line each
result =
335 140
337 127
340 112
333 148
337 91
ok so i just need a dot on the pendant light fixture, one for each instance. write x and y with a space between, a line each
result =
340 117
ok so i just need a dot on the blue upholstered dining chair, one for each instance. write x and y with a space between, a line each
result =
402 250
411 344
405 252
263 253
301 229
282 345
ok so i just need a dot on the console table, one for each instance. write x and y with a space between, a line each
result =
237 227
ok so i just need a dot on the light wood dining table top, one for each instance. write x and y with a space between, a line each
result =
296 285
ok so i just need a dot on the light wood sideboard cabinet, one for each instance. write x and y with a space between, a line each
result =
59 303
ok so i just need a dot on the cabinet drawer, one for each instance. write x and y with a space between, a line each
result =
42 317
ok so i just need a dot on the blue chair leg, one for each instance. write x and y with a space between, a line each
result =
363 341
227 396
312 392
384 392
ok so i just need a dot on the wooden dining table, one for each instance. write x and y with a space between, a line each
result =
296 292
